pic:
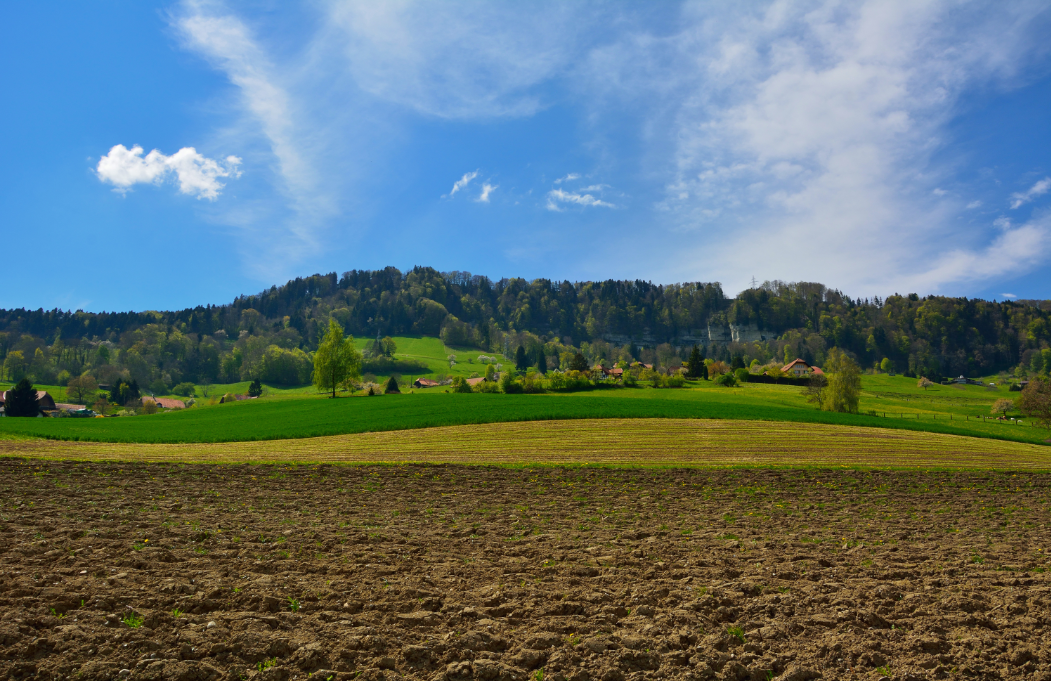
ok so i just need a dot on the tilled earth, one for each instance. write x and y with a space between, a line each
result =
160 571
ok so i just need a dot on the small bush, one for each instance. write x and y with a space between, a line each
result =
185 390
726 380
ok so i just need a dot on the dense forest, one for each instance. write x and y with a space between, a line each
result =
271 335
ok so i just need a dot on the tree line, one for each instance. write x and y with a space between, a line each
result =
273 335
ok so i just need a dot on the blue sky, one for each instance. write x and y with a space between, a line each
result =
171 154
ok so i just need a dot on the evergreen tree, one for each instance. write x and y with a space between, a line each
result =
132 392
521 363
634 350
541 360
695 364
392 387
21 400
737 363
255 389
578 363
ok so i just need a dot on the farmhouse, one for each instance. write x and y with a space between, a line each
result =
166 402
798 367
475 381
425 383
43 400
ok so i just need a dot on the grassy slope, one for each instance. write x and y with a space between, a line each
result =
307 416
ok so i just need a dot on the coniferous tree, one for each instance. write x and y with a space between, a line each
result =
392 386
578 363
521 363
737 362
255 389
541 360
695 363
21 400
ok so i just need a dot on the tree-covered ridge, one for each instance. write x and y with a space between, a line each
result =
272 335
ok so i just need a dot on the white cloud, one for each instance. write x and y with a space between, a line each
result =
461 183
814 123
1038 189
468 60
197 175
568 178
557 197
1008 295
487 189
974 204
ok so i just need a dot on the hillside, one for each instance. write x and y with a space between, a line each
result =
270 335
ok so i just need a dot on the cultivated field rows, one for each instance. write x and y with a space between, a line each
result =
174 571
675 442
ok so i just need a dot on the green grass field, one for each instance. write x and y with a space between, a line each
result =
888 402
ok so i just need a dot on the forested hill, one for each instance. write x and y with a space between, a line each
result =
934 335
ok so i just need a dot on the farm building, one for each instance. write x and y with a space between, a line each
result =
425 383
43 400
166 402
475 381
798 367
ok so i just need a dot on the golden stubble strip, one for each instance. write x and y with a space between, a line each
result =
626 442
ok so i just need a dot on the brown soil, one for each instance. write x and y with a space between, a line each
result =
449 572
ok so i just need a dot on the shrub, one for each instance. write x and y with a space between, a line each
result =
487 387
185 389
676 380
741 375
389 365
460 385
726 380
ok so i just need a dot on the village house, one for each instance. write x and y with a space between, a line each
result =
425 383
799 368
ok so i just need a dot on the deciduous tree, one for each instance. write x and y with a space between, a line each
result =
81 389
844 383
924 383
1002 406
1035 402
336 361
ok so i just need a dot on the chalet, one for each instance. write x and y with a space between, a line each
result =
425 383
798 367
615 372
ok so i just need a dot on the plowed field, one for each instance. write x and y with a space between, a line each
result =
179 571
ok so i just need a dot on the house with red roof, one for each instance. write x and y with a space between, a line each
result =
798 367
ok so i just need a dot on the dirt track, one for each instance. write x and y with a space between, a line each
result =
486 573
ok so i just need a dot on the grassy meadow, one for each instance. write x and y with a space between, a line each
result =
887 402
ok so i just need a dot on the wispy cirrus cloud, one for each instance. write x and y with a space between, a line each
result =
197 175
487 189
1018 199
461 183
557 199
814 122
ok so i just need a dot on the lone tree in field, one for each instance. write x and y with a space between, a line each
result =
255 388
1002 406
844 383
1035 402
336 361
81 388
392 387
21 400
924 383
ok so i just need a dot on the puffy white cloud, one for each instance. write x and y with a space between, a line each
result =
197 175
568 178
1038 189
487 189
461 183
557 197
